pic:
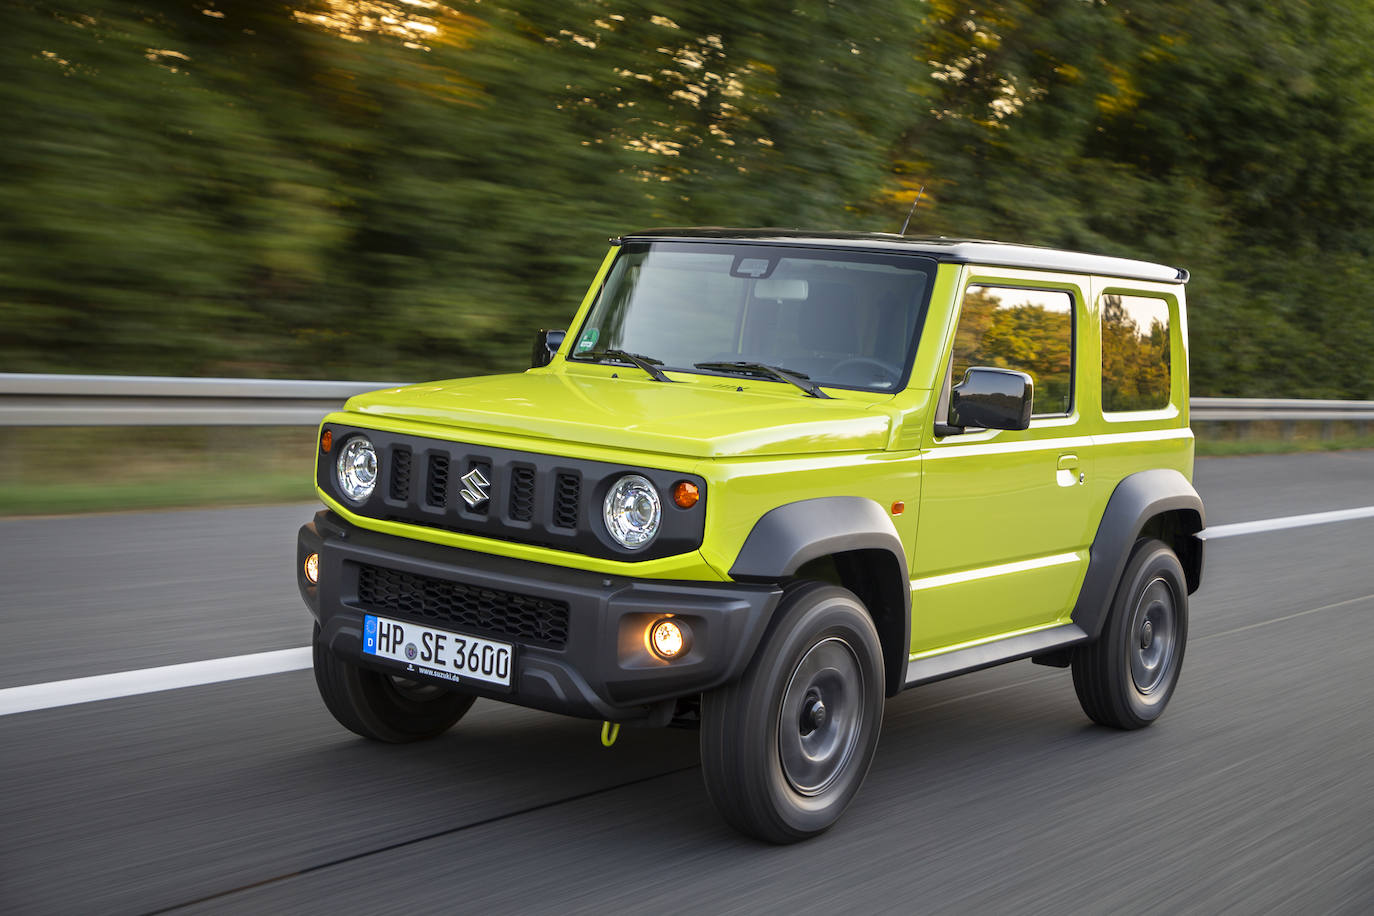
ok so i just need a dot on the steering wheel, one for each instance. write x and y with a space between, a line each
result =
889 372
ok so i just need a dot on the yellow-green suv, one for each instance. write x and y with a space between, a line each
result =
767 480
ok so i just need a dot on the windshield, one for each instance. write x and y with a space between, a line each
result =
839 318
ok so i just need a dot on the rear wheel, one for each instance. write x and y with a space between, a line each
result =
1126 677
384 707
785 749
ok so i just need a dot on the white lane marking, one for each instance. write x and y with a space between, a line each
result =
194 674
150 680
1289 521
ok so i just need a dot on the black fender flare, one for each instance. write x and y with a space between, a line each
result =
1136 500
786 538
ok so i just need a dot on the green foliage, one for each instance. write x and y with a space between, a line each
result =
375 188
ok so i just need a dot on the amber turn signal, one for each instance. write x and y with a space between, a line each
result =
898 507
326 441
685 494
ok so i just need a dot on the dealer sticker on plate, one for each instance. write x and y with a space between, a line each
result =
438 653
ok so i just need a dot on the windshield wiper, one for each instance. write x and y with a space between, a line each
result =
776 372
648 364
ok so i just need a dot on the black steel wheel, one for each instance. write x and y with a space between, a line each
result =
1125 678
384 707
785 749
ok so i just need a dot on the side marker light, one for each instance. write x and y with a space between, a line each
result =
898 507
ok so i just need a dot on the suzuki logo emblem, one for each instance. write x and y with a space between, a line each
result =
474 490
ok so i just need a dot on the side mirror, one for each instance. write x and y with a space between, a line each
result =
991 399
546 344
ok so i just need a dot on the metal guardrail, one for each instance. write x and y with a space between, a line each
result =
121 400
1282 409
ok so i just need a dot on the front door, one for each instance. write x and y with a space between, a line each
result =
1003 536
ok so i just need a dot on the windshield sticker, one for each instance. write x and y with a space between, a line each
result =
587 340
753 268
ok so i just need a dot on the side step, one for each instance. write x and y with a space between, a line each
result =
988 654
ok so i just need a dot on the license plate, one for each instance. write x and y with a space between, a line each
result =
438 653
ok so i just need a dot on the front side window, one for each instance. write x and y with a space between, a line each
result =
1135 353
836 318
1030 330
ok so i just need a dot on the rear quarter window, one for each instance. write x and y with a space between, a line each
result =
1135 353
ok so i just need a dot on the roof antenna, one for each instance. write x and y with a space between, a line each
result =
914 204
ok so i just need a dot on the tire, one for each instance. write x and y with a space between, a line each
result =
777 766
384 707
1125 678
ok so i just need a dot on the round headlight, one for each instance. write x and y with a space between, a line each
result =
632 511
357 469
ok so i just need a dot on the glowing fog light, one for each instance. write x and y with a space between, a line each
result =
312 569
668 638
357 469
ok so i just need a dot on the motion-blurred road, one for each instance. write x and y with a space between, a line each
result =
990 793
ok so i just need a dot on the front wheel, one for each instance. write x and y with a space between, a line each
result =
1125 678
384 707
785 749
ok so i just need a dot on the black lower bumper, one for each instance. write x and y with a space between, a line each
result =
596 662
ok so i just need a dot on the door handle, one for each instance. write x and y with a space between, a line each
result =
1067 473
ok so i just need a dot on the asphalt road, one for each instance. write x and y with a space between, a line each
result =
990 793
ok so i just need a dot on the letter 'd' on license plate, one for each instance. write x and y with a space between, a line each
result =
438 653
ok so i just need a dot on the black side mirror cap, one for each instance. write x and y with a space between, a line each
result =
546 344
991 399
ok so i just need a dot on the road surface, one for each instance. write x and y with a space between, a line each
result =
990 793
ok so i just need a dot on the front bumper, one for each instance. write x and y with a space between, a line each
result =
603 670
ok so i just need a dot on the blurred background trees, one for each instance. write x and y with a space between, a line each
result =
400 189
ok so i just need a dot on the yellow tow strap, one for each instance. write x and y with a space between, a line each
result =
609 732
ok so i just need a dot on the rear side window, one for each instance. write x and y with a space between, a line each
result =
1135 353
1030 330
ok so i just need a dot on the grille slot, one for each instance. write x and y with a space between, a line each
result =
524 618
522 493
400 472
567 492
436 483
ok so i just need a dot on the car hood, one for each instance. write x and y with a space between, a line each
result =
707 417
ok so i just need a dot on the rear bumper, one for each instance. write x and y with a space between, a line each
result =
601 670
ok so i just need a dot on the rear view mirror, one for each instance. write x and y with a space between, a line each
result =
992 399
793 290
546 344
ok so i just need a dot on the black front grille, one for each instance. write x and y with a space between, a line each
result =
523 618
547 501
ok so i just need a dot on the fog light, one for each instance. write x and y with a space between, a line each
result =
312 569
669 639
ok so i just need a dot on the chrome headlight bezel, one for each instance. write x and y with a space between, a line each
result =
356 469
632 512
